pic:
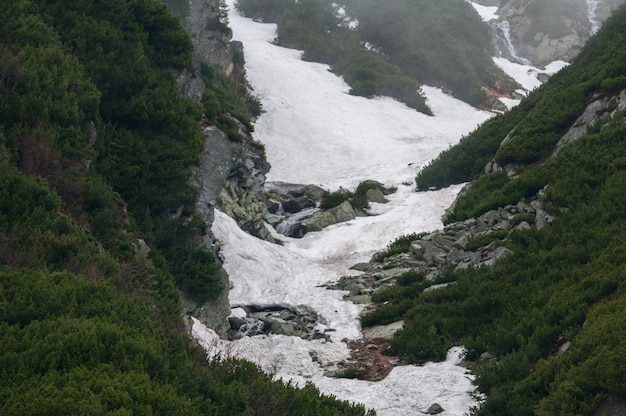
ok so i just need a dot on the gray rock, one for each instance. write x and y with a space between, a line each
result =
360 299
592 113
314 192
209 42
382 331
490 218
439 286
361 267
435 409
376 195
236 322
273 219
564 348
417 249
322 219
433 254
461 242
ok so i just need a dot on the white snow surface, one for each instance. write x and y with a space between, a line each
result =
487 13
316 133
526 75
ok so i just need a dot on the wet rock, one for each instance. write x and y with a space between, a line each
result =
322 219
297 204
435 409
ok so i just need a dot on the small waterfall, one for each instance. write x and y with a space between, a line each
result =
292 225
592 12
504 30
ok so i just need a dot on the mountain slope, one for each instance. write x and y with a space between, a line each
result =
544 326
96 148
393 47
530 132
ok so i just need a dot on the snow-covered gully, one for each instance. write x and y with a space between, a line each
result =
316 133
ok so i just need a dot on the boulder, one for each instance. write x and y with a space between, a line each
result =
417 249
435 409
298 204
314 192
376 195
382 331
322 219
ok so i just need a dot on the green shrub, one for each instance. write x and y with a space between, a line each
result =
334 199
400 245
485 239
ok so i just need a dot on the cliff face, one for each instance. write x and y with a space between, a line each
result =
231 173
545 31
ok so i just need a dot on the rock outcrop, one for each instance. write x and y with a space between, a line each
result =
475 242
231 173
274 319
540 32
294 210
601 106
322 219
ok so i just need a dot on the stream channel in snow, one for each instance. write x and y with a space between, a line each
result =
316 133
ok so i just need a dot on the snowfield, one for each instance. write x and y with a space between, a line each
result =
316 133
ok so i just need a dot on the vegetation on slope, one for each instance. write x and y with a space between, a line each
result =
536 125
95 151
564 283
396 46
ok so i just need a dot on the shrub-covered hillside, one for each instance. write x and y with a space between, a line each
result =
537 124
95 151
552 315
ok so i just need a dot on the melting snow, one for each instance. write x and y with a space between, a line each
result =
487 13
316 133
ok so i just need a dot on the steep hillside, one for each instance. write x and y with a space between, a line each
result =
390 48
98 228
544 324
529 133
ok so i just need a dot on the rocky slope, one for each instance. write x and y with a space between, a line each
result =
231 173
540 32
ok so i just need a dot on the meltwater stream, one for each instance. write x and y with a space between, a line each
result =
592 12
316 133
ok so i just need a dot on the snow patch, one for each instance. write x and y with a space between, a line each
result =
527 75
487 13
316 133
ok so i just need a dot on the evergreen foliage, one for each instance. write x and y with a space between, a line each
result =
535 126
95 151
396 46
313 26
564 283
358 198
